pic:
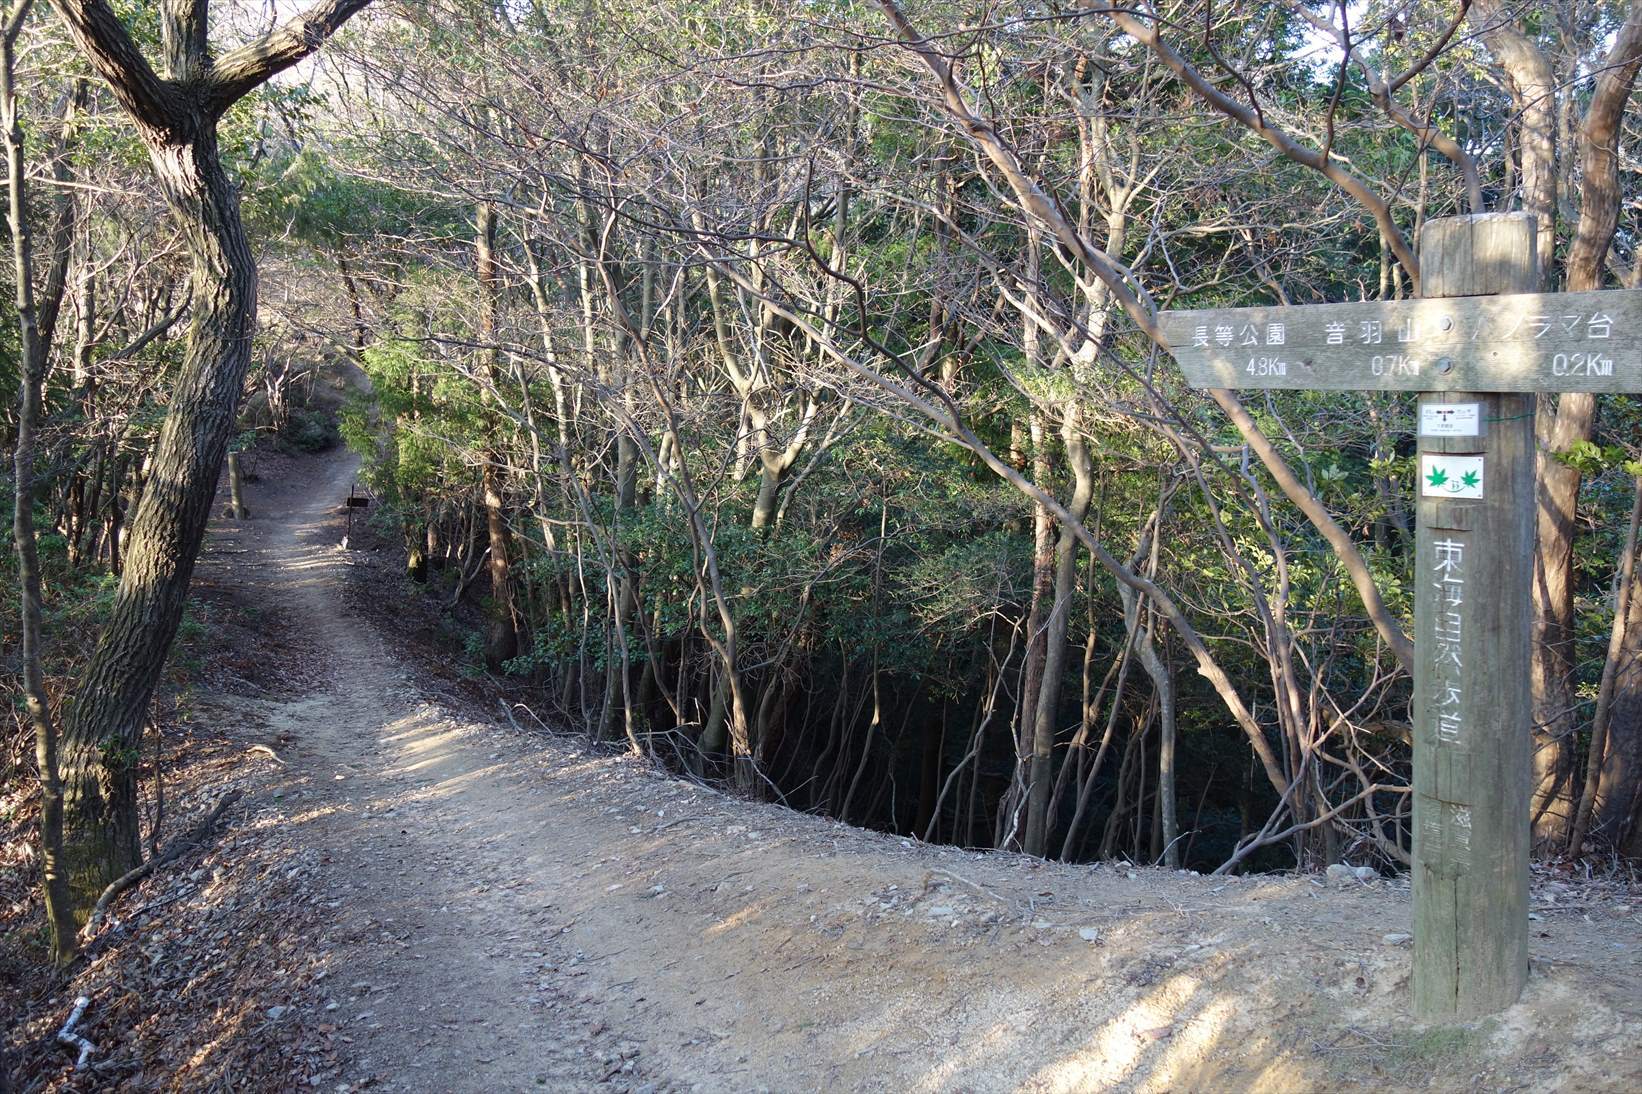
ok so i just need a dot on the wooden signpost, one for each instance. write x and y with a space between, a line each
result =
1521 342
236 488
355 501
1476 346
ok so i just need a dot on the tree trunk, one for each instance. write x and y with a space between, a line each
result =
111 703
1619 639
176 117
1555 656
236 488
502 639
36 320
1167 810
1161 674
769 486
1015 814
1619 790
1040 777
1553 666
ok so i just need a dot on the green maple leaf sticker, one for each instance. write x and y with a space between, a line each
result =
1470 478
1437 477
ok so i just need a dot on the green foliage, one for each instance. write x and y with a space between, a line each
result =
311 431
899 557
960 587
302 195
119 756
1590 458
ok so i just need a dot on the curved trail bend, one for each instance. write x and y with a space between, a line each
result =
516 913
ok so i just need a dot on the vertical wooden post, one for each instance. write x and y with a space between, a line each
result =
1473 612
236 487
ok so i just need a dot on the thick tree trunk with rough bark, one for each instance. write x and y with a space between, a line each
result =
1555 658
176 116
1553 665
110 705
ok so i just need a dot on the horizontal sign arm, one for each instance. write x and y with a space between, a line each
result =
1550 342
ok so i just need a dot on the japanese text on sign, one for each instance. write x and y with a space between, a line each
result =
1549 342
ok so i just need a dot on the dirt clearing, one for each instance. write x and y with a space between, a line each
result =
456 904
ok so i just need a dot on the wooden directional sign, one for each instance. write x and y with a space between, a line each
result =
1476 358
1523 342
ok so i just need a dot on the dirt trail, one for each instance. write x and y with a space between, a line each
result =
514 913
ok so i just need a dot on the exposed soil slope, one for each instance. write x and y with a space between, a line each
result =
497 910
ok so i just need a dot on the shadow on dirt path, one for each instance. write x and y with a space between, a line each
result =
429 977
513 912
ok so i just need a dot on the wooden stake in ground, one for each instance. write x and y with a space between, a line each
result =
1473 711
1475 345
236 488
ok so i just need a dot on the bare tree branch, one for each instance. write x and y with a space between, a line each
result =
1252 120
1599 196
244 69
155 104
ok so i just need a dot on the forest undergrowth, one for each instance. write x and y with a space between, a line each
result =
777 408
297 950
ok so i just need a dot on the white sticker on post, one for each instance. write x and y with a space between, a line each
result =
1450 419
1444 476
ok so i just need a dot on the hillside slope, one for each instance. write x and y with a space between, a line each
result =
479 908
